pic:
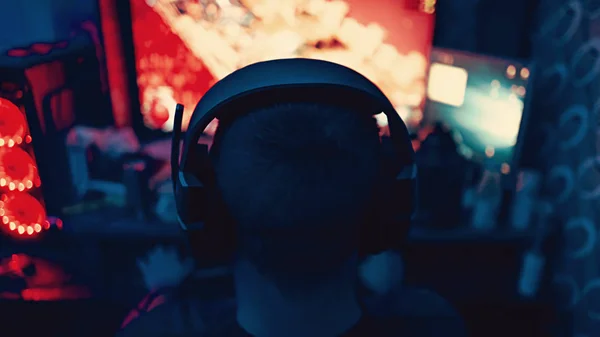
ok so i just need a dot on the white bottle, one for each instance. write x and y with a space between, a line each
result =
487 203
79 169
534 260
528 185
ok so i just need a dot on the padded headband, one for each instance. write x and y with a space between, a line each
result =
287 80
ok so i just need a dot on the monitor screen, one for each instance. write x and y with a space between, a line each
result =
481 99
183 47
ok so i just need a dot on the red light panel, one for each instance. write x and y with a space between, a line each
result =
18 171
22 212
12 125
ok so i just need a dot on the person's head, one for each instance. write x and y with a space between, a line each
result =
298 180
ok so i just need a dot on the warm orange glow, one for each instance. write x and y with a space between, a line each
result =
428 6
511 71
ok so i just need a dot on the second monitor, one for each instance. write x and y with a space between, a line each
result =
482 100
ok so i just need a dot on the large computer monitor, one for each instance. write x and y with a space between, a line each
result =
483 100
181 48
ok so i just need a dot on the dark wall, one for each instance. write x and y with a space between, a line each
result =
27 21
494 27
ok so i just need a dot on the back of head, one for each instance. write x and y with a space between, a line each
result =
297 178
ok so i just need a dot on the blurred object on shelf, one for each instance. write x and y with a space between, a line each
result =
534 259
441 175
111 141
79 171
136 178
165 208
488 200
93 201
529 183
95 158
469 193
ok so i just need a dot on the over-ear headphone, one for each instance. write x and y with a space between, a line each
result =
201 211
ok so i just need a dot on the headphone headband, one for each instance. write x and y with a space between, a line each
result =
289 80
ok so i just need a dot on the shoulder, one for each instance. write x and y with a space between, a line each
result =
181 318
418 312
424 302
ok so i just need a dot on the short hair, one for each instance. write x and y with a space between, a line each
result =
292 173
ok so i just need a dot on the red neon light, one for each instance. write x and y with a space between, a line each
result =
18 171
13 126
21 214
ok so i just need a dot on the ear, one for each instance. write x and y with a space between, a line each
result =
382 272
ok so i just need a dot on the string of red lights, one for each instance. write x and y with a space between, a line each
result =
21 212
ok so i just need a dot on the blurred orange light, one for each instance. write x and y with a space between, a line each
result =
511 71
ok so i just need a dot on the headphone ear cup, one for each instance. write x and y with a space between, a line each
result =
394 214
372 231
213 243
388 221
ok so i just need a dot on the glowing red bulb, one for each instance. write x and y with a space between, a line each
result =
18 171
13 126
22 214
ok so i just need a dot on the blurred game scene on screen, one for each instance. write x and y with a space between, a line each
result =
481 99
183 47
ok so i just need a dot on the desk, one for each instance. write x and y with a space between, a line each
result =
65 318
477 272
484 257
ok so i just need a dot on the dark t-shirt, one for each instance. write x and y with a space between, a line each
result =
407 312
